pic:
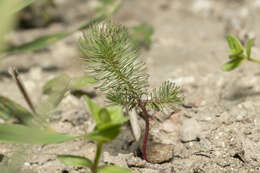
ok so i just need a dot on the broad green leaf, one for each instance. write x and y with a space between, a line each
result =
232 64
10 110
80 82
93 108
111 116
28 135
116 114
72 160
233 54
249 46
235 46
56 83
104 116
234 43
63 79
40 43
106 134
55 89
113 169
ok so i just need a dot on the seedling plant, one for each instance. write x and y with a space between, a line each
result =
109 121
236 53
113 62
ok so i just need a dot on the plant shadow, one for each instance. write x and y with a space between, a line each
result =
241 93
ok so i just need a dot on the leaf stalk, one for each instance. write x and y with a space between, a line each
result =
254 60
97 158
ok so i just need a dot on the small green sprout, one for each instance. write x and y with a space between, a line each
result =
236 53
109 121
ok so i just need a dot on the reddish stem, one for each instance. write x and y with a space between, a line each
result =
145 137
146 119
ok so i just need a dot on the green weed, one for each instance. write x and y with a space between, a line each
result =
238 54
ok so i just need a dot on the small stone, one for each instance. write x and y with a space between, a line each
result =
169 127
205 117
172 124
159 153
226 118
190 130
27 164
135 161
119 160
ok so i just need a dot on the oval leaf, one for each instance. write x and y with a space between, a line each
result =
116 114
249 46
80 82
113 169
72 160
231 65
234 43
106 134
27 135
93 108
104 116
233 54
56 83
55 89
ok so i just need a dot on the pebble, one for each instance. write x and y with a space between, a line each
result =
119 160
159 153
190 130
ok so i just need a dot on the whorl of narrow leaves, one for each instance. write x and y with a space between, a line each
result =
111 59
164 96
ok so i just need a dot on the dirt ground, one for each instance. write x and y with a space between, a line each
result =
217 130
